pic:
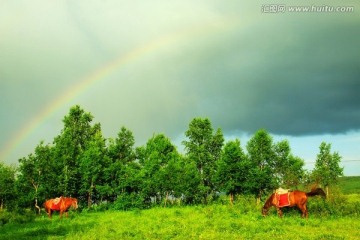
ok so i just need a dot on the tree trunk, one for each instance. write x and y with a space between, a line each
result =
231 195
327 190
37 206
166 198
258 198
89 194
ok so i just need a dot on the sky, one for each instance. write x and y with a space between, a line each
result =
153 66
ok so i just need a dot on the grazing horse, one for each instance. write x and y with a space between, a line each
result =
295 198
61 204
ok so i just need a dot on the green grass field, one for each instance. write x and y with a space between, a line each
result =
209 222
335 218
349 185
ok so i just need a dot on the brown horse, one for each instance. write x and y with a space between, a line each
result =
61 204
296 198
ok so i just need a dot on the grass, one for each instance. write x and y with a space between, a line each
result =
336 218
196 222
349 185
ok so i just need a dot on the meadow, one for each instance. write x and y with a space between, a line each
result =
335 218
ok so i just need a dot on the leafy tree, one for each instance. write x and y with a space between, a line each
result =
93 162
295 174
122 148
327 169
155 158
170 177
204 149
7 186
24 182
122 174
262 157
37 180
69 146
189 181
233 170
288 169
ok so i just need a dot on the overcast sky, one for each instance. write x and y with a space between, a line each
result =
152 66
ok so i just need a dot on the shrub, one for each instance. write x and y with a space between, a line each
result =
128 201
335 206
4 217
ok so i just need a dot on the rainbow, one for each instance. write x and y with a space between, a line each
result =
101 74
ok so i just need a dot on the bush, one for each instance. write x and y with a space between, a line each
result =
4 217
128 201
336 205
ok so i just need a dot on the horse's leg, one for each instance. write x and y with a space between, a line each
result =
306 211
61 213
280 213
47 212
303 210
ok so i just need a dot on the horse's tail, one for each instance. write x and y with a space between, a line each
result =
317 191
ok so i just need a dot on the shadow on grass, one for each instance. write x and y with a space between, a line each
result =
44 229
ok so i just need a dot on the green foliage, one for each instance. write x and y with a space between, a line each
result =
204 149
128 201
189 182
159 162
113 173
287 168
122 175
7 186
37 178
327 170
93 162
69 146
262 157
233 170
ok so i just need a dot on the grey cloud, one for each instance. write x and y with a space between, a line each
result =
294 74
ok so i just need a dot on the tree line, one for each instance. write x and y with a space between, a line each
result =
81 163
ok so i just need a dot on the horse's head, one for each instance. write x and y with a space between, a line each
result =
267 205
264 211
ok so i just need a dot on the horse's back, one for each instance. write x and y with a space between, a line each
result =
299 197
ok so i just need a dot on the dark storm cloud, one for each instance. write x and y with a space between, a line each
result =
289 79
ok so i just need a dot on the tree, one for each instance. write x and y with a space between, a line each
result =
122 174
155 159
7 186
37 180
288 169
69 146
261 155
171 176
233 168
189 181
327 169
93 162
204 149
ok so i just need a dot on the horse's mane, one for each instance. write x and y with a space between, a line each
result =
269 201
